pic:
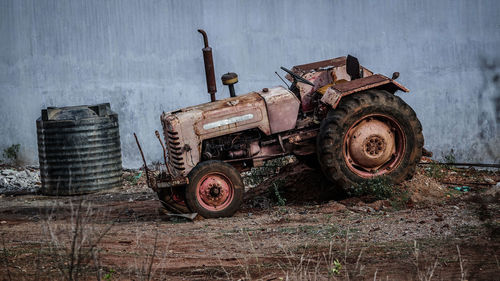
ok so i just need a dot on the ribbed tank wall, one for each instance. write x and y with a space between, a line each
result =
79 149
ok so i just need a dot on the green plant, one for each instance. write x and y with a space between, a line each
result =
435 170
400 199
450 157
11 152
335 267
271 167
379 188
134 179
109 276
277 195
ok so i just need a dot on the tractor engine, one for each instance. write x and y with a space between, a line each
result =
239 145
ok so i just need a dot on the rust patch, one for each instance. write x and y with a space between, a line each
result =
304 68
173 182
228 111
331 97
361 84
302 136
333 94
209 66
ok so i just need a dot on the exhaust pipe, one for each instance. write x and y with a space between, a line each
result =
209 66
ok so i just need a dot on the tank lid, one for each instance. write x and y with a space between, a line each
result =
76 112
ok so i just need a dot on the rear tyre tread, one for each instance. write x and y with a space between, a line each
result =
338 121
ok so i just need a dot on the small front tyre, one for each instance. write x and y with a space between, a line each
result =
215 189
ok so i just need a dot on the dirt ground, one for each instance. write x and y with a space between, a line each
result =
444 224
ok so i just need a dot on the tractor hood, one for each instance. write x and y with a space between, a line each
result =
185 129
222 117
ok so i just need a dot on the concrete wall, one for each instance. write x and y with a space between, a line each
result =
144 57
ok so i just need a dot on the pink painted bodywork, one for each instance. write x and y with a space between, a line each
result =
334 93
282 108
185 130
320 74
273 111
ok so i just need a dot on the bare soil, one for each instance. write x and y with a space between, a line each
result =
433 230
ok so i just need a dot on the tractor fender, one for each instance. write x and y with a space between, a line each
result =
335 93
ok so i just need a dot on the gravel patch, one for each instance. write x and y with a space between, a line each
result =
19 181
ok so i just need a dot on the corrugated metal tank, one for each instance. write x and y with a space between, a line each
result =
79 149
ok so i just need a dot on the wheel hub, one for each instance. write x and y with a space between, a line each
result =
214 191
371 143
374 145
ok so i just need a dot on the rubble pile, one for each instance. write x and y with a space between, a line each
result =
20 181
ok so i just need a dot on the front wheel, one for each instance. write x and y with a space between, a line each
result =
215 189
370 134
173 199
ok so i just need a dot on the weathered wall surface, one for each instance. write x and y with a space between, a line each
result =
144 57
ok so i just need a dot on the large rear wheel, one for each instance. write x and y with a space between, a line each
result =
370 134
215 189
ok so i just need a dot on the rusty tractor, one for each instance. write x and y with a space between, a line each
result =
335 113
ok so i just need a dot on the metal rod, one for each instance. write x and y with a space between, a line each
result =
282 79
231 91
463 164
466 183
258 157
143 159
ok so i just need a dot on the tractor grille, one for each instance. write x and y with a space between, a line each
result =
174 149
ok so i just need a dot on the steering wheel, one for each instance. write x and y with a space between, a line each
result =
296 77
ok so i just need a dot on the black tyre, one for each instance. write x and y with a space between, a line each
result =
310 160
215 189
173 199
370 134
